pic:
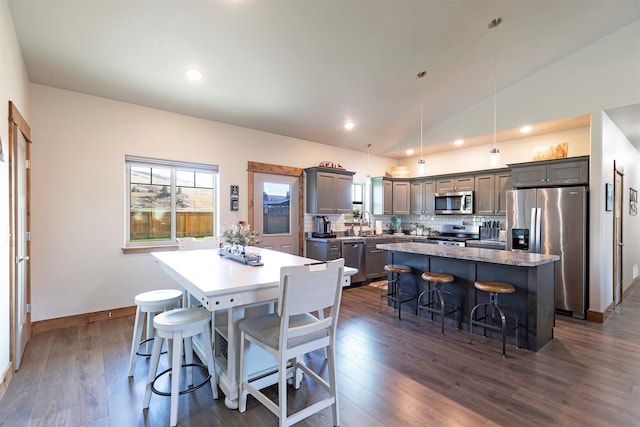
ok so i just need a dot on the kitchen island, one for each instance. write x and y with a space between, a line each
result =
533 276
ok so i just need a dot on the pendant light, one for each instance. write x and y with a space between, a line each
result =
494 154
421 164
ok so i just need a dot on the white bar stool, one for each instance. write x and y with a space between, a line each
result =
150 303
176 325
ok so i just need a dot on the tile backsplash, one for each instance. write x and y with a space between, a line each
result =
433 222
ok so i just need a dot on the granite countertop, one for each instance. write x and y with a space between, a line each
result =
492 256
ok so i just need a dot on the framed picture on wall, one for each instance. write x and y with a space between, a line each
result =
234 197
608 194
633 202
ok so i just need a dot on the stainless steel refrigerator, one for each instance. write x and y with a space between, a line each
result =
554 221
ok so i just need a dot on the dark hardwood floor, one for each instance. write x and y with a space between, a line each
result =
391 373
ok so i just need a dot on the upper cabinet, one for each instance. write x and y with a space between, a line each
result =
422 200
568 171
454 184
390 196
491 192
329 191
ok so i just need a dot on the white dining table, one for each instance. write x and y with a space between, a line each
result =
232 291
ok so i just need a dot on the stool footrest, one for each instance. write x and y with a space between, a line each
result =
138 353
437 304
187 390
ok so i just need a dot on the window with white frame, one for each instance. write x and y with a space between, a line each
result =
168 199
357 192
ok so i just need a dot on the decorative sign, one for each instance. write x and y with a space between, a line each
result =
548 152
633 202
235 198
330 165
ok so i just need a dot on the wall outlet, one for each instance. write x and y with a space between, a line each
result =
109 315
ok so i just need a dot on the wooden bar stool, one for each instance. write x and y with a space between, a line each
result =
150 303
435 303
494 289
394 291
175 326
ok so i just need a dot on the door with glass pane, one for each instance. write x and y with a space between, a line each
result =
275 213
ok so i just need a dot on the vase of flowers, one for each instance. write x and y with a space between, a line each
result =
238 236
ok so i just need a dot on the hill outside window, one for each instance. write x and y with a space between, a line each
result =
167 200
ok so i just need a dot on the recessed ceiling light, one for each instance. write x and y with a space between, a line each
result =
526 129
194 75
349 125
458 142
409 151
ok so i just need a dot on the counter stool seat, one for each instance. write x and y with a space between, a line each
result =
394 291
175 326
494 289
148 304
436 303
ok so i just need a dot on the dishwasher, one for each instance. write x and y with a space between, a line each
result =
353 254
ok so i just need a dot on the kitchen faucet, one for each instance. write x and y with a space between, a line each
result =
362 220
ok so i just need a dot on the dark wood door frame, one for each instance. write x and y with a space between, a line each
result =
256 167
618 204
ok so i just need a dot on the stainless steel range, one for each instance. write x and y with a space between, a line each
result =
455 235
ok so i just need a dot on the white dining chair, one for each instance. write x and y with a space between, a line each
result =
292 332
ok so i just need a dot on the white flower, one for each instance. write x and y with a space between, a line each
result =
237 234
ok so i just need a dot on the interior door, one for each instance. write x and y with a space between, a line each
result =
19 134
275 213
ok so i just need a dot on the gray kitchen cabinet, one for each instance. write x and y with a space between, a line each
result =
324 250
422 200
401 197
503 184
491 193
375 259
390 197
455 183
549 173
329 191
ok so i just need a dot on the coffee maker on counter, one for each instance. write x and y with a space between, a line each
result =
323 227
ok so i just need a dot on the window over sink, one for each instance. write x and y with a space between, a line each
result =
358 200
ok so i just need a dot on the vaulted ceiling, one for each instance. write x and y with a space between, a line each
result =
302 68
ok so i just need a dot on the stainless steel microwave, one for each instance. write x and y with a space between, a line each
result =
458 203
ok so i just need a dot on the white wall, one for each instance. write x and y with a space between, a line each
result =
78 190
13 87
